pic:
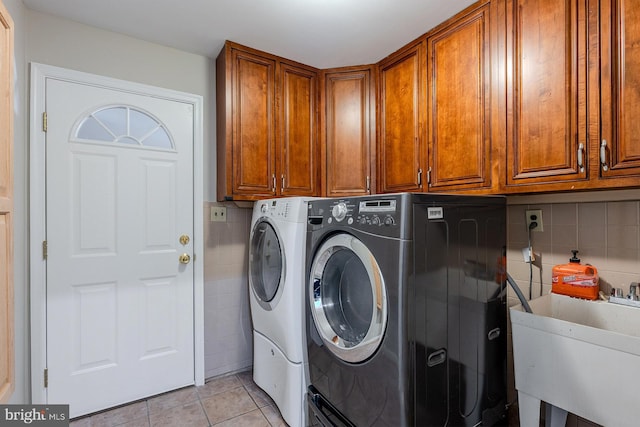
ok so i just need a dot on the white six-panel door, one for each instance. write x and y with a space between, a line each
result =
119 197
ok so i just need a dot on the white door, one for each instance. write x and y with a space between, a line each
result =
119 196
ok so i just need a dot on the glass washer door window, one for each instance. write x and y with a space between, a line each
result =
266 262
348 298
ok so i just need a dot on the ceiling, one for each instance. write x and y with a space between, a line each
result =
320 33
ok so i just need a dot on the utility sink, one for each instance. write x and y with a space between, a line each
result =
578 356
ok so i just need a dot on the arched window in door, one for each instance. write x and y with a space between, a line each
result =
122 124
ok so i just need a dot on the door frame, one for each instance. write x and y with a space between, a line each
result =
37 210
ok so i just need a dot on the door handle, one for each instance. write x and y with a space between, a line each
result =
184 258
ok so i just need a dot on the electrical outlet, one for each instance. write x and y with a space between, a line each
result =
534 220
218 214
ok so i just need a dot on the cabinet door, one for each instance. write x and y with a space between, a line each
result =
459 102
546 96
348 132
619 148
298 136
253 124
401 146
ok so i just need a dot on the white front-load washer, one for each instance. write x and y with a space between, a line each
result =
277 282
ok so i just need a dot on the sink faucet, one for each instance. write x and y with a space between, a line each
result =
632 299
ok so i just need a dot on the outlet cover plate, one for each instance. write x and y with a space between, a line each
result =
534 215
218 214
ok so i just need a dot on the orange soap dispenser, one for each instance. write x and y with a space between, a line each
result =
575 279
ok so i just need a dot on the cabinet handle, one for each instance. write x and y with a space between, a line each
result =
368 184
420 177
273 179
603 155
282 182
581 157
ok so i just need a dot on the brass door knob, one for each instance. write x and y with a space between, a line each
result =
184 239
185 258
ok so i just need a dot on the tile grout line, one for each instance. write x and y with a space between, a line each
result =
204 410
257 405
227 419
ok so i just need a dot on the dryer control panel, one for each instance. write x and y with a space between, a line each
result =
377 213
385 215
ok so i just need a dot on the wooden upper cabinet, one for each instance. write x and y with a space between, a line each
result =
618 150
546 93
459 102
266 126
246 124
298 123
348 156
401 148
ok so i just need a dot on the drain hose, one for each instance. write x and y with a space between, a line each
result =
521 297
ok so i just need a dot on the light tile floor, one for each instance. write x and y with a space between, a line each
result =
232 400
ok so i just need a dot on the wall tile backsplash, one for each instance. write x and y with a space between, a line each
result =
228 339
606 234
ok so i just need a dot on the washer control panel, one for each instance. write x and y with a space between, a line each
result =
276 208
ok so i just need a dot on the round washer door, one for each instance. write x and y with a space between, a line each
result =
266 264
348 298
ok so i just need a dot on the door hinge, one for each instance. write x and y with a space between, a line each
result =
44 249
46 378
44 122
